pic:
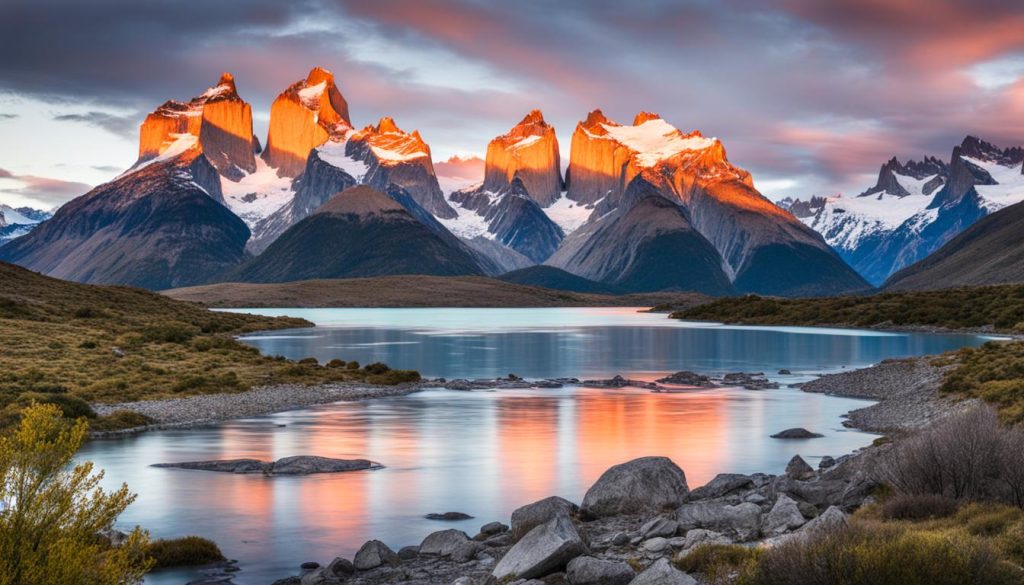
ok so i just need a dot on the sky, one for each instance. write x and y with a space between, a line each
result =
810 96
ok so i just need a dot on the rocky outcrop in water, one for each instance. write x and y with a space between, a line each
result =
297 465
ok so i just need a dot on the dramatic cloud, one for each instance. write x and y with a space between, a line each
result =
811 96
38 192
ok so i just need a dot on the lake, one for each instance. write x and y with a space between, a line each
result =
486 453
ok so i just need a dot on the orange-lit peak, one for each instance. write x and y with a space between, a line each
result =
387 124
227 79
318 75
534 117
642 117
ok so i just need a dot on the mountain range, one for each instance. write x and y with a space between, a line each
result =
18 221
642 207
915 207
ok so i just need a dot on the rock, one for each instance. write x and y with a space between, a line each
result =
499 541
288 581
784 516
297 465
829 521
699 536
525 518
620 382
722 485
448 516
656 544
644 485
466 551
756 381
784 372
620 539
687 379
407 553
492 528
741 522
443 542
545 549
592 571
826 462
755 498
309 565
528 151
301 120
659 526
661 572
117 351
808 509
374 554
797 468
796 433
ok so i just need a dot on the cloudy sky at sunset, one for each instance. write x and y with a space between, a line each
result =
810 96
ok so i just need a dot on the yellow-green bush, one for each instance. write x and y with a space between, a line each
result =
184 552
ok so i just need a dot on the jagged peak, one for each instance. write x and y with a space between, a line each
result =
387 125
644 116
226 78
595 119
319 75
534 117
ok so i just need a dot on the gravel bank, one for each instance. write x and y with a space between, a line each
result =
907 391
209 408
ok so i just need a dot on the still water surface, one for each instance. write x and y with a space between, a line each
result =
486 453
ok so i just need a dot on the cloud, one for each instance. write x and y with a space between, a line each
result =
43 192
4 116
126 126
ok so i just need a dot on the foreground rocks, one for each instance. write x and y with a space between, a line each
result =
633 522
297 465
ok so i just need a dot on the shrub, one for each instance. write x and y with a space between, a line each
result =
170 332
120 420
353 365
880 554
988 520
187 551
376 368
70 406
917 507
210 343
719 563
310 361
87 345
392 377
336 363
200 384
86 313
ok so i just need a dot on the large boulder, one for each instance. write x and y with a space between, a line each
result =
797 468
526 518
741 522
658 526
374 554
593 571
784 516
661 572
544 550
443 542
722 485
641 486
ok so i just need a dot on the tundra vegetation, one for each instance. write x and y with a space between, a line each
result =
70 345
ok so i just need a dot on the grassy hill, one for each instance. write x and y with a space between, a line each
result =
72 344
1000 308
415 291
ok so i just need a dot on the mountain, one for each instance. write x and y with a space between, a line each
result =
16 222
161 225
459 172
392 155
528 151
758 246
915 207
357 233
557 279
307 114
991 251
218 118
504 208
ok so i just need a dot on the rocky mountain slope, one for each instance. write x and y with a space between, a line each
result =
915 207
16 222
991 251
163 225
759 247
358 233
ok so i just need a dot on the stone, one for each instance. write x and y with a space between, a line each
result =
796 433
826 462
466 551
722 485
492 528
797 468
374 554
656 544
407 553
661 572
339 568
593 571
830 520
686 378
699 536
448 516
296 465
741 522
644 485
443 542
620 539
309 565
784 372
784 516
501 540
659 526
545 549
525 518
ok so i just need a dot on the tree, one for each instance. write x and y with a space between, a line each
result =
52 515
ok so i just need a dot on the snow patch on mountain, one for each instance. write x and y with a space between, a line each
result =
656 140
468 224
258 194
1010 189
569 214
333 153
179 144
